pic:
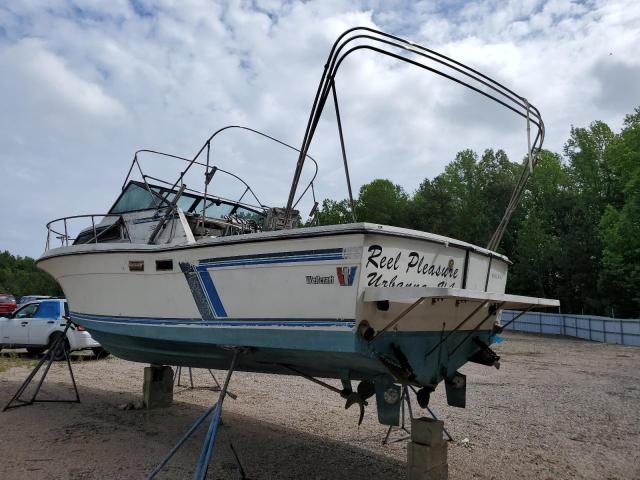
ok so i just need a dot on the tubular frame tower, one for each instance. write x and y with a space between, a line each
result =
365 38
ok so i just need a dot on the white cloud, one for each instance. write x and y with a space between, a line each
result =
85 84
49 85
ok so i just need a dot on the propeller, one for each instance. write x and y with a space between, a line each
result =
353 398
365 390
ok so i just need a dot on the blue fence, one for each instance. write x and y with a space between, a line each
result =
599 329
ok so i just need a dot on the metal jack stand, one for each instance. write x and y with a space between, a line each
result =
49 358
216 388
433 415
406 398
210 438
177 376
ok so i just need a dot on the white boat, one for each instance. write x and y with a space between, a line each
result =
175 276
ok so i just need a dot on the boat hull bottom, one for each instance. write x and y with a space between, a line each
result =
337 353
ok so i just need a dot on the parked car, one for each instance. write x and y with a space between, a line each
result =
7 303
30 298
37 325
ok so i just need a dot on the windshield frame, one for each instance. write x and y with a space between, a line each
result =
197 200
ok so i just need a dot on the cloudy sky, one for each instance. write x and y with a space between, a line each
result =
86 83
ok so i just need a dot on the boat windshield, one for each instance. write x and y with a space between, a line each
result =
137 197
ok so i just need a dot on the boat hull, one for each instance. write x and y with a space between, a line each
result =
291 298
323 352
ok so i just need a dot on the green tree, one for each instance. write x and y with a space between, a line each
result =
619 279
468 199
496 178
431 208
592 188
538 244
333 212
588 167
19 276
381 201
461 179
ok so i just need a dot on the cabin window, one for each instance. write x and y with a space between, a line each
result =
136 265
164 265
215 208
185 202
136 197
219 209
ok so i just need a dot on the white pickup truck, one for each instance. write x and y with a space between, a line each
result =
37 325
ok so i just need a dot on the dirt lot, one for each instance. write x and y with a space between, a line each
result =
558 409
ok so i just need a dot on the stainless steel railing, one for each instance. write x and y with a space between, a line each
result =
64 236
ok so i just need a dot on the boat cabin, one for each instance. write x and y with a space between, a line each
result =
145 212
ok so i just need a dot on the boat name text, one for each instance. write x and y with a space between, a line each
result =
412 262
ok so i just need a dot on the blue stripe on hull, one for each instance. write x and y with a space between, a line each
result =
228 322
276 257
212 293
269 261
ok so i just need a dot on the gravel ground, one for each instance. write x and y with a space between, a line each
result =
557 409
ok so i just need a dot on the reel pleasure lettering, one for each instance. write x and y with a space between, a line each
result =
412 264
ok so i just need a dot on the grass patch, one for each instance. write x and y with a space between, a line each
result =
13 359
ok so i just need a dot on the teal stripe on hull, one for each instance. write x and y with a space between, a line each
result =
330 353
339 340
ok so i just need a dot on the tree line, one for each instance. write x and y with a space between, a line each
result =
19 276
575 236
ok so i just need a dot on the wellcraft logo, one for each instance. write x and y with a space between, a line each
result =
319 280
346 275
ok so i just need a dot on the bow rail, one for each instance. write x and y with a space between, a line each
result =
61 228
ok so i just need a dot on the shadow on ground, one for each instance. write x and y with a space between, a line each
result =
95 439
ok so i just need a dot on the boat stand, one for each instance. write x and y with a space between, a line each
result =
204 460
48 357
405 398
177 378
